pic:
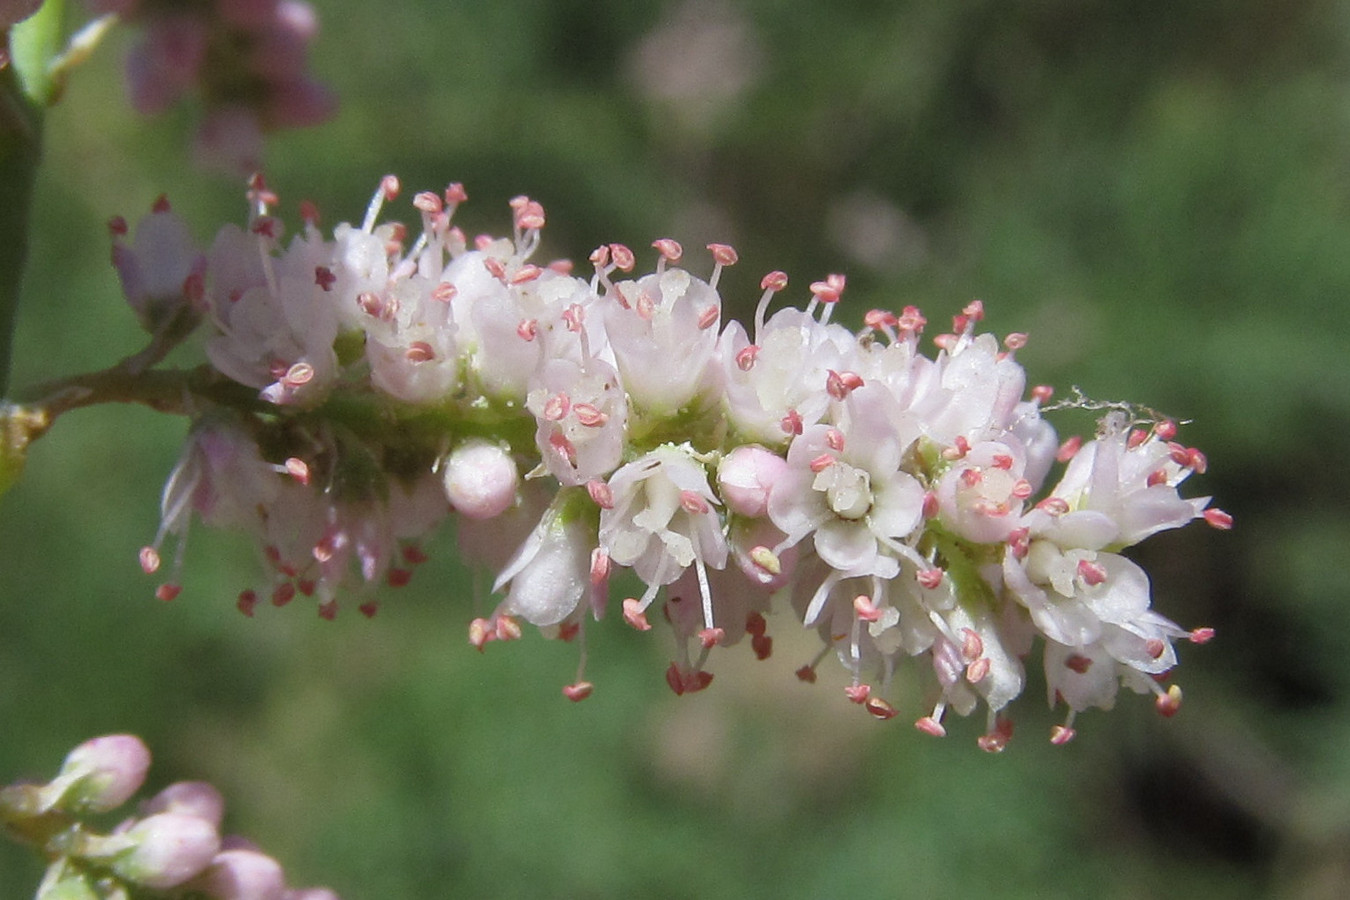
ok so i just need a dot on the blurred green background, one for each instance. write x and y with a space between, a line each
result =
1158 191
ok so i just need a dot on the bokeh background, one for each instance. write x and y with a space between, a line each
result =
1158 191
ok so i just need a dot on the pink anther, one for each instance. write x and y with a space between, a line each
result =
634 615
1156 477
840 384
822 462
931 507
745 358
1055 506
972 645
670 250
1003 461
419 352
1155 647
389 186
929 578
708 317
563 447
1136 438
1165 430
575 317
693 503
911 320
866 609
589 415
1169 704
1015 341
959 448
623 257
428 202
791 423
600 567
149 558
723 254
1201 635
299 373
930 725
880 709
1069 449
1092 573
1019 542
774 281
507 629
829 290
298 469
1022 489
495 267
858 693
527 272
711 637
579 691
455 193
1219 519
557 407
527 329
974 310
480 633
1061 735
971 477
834 439
880 319
978 670
600 256
601 493
1042 393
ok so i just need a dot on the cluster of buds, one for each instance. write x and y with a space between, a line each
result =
172 849
365 386
244 61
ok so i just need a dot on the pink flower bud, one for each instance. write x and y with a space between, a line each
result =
101 774
745 476
241 875
189 798
480 479
170 849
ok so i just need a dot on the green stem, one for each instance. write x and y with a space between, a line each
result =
20 151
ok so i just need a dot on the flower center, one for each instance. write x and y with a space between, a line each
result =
848 490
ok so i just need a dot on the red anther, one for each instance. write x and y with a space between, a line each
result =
880 709
161 204
1165 430
1022 489
1155 647
579 691
959 448
508 629
324 277
495 267
1156 477
600 256
1092 573
575 317
297 468
634 615
309 212
1015 341
959 324
1069 449
306 586
563 447
755 623
675 679
1078 663
711 637
428 202
822 462
1135 438
693 503
527 272
557 407
1169 704
168 591
911 320
762 644
1055 506
829 290
117 226
978 670
930 725
708 317
413 555
670 250
1003 461
931 506
807 674
791 423
419 352
246 602
398 577
328 610
601 493
568 631
527 329
1061 734
283 594
1202 635
697 681
774 281
589 416
1042 393
149 558
723 254
264 226
299 373
745 359
971 477
369 609
455 193
480 632
972 645
929 578
880 319
622 257
858 693
389 186
866 609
